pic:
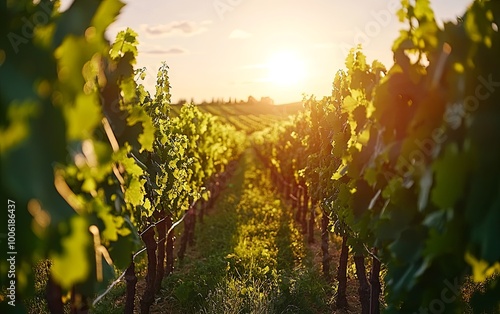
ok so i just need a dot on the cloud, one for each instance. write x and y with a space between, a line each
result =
206 22
163 51
239 34
175 28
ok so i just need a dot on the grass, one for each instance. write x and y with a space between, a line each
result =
249 257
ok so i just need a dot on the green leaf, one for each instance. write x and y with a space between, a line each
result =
132 168
146 138
73 265
450 177
134 194
444 238
408 247
75 20
106 14
114 226
82 117
472 27
486 233
423 10
349 104
361 198
481 269
18 128
126 41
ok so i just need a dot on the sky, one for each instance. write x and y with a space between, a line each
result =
276 48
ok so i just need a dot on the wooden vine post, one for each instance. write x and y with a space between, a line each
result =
312 218
149 293
364 286
375 284
305 207
325 220
169 266
131 280
184 237
300 196
53 294
341 300
160 259
192 224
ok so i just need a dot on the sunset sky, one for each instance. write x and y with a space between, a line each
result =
278 48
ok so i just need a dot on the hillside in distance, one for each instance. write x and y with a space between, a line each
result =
247 116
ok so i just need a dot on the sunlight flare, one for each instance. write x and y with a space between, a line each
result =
286 68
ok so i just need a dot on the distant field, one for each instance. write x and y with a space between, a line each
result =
248 117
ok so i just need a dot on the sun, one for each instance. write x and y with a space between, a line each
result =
286 68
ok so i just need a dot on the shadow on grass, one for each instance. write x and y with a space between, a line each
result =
203 268
303 289
233 268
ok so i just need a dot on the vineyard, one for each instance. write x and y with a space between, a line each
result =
247 117
383 196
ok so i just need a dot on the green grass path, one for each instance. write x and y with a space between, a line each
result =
249 256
